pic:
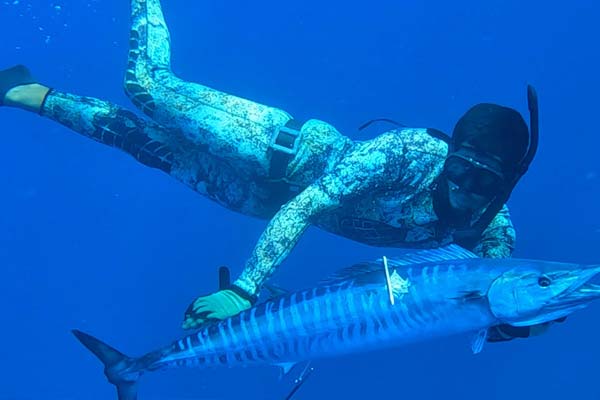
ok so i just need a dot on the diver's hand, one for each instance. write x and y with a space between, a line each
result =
219 305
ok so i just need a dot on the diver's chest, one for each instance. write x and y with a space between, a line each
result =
393 221
398 210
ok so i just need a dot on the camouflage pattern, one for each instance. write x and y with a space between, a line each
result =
377 192
157 147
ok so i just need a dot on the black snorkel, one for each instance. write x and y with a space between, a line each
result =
534 128
469 237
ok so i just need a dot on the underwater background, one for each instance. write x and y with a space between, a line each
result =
91 239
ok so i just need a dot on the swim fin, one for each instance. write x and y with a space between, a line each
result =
12 77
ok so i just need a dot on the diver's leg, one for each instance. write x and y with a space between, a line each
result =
111 125
154 146
232 128
99 120
96 119
148 142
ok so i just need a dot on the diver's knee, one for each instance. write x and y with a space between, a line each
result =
138 94
132 83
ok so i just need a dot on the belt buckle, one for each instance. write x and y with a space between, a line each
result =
277 137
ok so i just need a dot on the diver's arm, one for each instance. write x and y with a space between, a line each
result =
498 239
364 169
282 234
367 168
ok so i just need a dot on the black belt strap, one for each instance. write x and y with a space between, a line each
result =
284 146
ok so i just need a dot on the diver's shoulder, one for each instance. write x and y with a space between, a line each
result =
411 140
423 140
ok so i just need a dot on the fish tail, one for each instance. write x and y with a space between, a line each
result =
120 370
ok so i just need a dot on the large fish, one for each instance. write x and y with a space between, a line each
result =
369 306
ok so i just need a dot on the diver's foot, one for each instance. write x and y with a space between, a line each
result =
19 89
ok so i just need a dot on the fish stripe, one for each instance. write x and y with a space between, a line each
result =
332 319
298 324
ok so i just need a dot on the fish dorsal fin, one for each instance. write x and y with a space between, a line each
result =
447 253
353 272
275 291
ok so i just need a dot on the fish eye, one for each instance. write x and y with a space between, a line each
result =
544 281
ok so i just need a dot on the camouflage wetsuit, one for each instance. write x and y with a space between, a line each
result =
377 192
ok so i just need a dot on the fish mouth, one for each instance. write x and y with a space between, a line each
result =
580 292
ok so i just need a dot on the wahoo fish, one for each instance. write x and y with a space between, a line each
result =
371 306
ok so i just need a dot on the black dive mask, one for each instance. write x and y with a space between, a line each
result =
474 173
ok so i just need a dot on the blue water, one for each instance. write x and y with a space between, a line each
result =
90 239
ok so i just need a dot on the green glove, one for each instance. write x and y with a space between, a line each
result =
220 305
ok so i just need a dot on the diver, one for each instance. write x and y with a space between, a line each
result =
408 187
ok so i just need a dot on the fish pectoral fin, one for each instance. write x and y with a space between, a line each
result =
286 367
470 295
478 341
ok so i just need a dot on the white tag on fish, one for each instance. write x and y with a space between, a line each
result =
399 285
396 286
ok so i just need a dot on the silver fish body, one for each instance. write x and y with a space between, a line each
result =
424 295
340 318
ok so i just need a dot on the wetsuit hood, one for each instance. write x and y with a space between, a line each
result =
495 132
